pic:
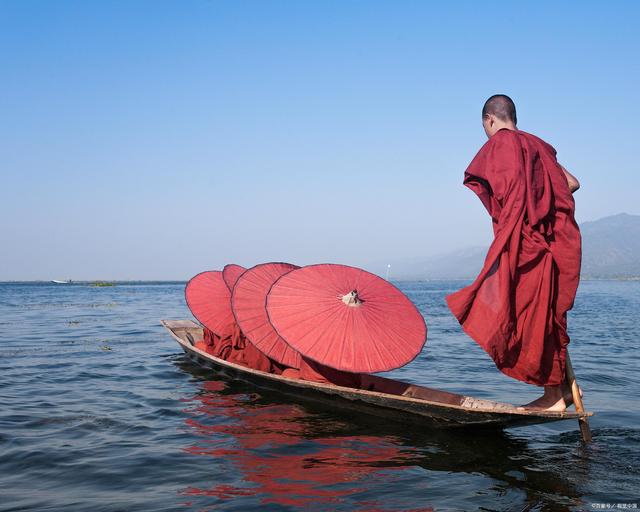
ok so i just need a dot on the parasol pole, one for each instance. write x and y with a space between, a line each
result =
577 400
388 268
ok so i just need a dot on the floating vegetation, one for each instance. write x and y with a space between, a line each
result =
101 284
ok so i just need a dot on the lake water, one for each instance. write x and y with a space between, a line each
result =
100 410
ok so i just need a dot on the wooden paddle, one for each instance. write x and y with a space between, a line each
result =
577 400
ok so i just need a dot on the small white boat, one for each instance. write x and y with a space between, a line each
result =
57 281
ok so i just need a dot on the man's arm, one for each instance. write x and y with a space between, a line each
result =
574 184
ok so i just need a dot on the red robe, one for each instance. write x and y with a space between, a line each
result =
316 372
209 341
245 353
516 309
216 346
237 349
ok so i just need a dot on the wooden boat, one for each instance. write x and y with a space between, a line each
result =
392 399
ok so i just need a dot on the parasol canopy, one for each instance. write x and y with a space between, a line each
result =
209 299
231 273
248 305
346 318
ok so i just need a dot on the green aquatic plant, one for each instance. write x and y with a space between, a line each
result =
101 284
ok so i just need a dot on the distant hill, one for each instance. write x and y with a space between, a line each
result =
460 264
611 249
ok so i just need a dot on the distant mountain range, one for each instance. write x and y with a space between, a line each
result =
611 249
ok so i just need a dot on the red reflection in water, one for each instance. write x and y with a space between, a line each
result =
283 464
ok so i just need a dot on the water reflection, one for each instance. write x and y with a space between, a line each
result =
294 456
280 459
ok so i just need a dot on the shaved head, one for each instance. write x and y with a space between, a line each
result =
502 107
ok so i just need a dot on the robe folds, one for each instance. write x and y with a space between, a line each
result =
237 349
516 309
245 353
316 372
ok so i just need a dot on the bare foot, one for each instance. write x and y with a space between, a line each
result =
548 403
555 398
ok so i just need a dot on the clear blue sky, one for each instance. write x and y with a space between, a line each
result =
153 140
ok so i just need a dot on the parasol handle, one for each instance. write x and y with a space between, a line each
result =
577 400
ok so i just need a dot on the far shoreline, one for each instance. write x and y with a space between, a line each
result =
102 282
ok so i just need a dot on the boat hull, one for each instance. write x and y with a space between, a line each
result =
415 404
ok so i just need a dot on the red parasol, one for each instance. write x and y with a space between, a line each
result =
346 318
231 273
209 300
248 305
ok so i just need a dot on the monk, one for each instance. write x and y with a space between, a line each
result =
516 309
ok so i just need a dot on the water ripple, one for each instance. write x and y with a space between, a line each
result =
101 411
